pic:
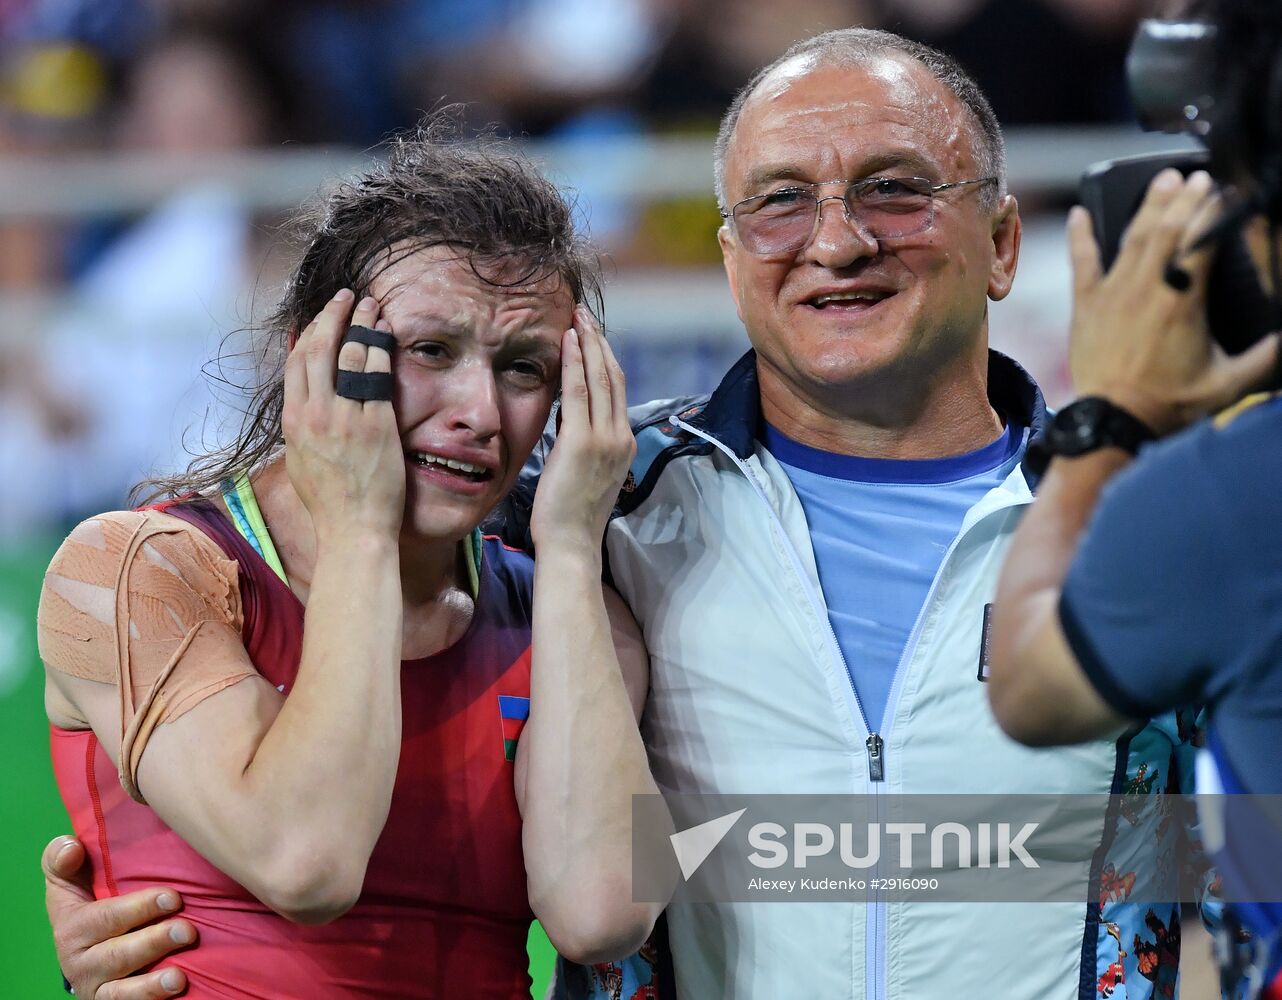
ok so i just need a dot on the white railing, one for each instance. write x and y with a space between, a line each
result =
642 169
652 306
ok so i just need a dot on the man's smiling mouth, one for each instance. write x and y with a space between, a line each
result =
856 301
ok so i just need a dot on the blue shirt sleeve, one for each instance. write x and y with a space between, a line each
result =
1146 604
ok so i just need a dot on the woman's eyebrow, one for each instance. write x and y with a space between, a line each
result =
435 326
529 343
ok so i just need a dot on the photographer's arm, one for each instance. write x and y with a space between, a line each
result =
1145 347
1038 691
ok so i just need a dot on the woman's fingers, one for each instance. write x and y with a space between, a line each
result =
311 363
320 346
580 483
604 375
379 360
352 355
376 358
574 389
593 388
618 389
596 375
296 389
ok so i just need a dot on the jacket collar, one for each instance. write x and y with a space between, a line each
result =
733 411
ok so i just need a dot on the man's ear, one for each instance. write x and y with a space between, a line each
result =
1007 230
730 262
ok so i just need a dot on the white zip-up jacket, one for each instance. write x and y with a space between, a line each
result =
749 693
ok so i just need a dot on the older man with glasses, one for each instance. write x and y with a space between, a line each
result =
812 549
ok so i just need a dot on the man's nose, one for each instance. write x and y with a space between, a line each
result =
840 237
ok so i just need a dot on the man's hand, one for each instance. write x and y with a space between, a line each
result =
101 942
1142 344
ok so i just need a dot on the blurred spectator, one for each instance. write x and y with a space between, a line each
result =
111 29
200 76
548 62
562 69
152 308
1040 61
716 45
361 69
194 93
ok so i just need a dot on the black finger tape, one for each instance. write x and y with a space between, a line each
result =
365 386
370 338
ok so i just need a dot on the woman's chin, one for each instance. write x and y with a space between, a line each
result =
441 521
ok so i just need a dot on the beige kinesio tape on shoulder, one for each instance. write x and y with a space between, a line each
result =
149 603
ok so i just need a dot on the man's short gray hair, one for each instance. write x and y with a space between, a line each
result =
857 46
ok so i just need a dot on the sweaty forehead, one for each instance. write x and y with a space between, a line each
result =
437 286
837 116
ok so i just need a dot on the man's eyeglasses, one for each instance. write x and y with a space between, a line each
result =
784 221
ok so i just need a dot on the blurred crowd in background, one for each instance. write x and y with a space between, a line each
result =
105 349
129 294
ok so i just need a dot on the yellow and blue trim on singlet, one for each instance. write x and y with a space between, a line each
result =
239 497
472 559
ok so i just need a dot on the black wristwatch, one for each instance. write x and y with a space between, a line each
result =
1086 425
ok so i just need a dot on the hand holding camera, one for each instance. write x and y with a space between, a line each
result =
1143 342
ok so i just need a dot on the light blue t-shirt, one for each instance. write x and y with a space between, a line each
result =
879 529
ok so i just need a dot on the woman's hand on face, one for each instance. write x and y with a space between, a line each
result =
1141 343
594 446
344 457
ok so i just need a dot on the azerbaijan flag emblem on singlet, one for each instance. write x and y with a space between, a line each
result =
513 711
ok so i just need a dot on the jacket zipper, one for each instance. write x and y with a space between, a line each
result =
875 922
876 771
874 919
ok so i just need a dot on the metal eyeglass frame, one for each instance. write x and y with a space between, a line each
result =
863 184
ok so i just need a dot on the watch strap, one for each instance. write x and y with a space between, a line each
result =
1096 423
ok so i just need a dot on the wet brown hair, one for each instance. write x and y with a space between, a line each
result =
508 221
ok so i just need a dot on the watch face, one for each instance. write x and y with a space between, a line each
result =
1082 426
1078 426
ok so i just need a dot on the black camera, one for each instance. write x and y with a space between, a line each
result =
1173 81
1239 311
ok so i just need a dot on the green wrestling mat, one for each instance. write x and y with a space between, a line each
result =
33 812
